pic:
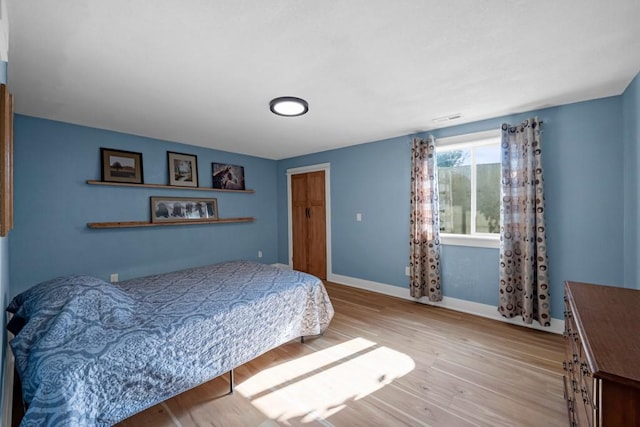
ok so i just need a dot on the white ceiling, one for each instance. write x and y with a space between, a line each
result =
202 72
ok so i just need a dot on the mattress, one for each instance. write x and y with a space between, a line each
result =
90 352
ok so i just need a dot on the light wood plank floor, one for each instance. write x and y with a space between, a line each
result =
385 362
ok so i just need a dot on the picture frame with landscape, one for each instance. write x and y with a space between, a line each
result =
121 166
183 209
183 169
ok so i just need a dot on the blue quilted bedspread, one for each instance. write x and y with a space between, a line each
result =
94 353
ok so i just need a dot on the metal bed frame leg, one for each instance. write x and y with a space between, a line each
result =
312 336
231 380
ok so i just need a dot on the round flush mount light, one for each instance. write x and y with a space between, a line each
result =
288 106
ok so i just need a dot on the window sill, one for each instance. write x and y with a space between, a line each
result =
473 241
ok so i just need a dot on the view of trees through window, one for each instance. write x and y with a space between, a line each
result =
469 189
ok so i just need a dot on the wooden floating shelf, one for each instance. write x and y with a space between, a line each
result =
131 224
165 187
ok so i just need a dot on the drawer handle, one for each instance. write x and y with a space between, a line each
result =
568 365
585 395
584 369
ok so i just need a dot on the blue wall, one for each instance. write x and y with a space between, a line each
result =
583 158
588 171
53 204
372 179
631 128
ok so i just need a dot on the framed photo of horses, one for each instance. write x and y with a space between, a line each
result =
227 177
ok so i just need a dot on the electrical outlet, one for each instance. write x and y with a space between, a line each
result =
406 271
358 217
114 277
259 254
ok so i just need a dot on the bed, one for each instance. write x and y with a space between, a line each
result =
90 352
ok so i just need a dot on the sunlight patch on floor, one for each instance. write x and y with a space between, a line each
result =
318 385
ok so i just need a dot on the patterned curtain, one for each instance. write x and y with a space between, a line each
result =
524 284
424 246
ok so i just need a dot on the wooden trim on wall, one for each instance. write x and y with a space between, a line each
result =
6 161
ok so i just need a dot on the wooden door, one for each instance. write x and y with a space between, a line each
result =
316 225
309 223
299 221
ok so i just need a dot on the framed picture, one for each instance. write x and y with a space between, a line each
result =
6 161
183 209
183 169
121 166
227 177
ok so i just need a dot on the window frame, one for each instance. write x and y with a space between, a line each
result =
477 139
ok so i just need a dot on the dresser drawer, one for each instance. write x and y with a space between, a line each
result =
588 387
602 346
568 397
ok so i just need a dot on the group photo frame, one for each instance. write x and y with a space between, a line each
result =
183 169
183 209
121 166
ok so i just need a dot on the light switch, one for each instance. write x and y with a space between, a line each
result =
358 217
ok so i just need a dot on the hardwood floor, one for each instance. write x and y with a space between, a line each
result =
384 362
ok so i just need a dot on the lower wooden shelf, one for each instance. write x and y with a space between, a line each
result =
130 224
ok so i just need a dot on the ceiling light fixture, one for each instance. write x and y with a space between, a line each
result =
288 106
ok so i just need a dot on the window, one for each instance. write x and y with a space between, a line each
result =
469 189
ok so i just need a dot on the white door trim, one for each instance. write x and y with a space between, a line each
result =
326 167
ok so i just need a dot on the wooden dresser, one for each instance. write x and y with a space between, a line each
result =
602 363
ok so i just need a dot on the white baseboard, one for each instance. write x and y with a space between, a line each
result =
7 387
478 309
